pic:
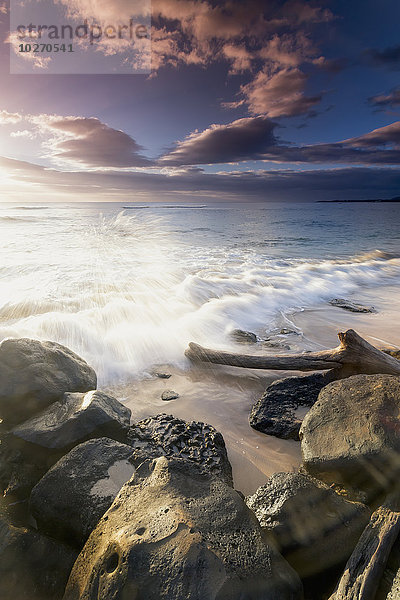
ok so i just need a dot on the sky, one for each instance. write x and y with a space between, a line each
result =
222 101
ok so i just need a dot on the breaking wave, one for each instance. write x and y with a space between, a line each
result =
125 294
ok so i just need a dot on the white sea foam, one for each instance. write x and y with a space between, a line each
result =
125 294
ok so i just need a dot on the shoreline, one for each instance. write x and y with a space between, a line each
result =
223 396
93 484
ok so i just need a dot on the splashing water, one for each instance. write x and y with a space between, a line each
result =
125 292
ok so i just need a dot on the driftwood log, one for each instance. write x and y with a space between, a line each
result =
353 352
365 567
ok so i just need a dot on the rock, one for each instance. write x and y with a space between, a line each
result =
18 474
286 331
162 375
274 344
169 395
394 592
395 353
351 434
70 499
180 534
166 435
70 421
313 527
34 374
275 412
351 306
32 566
243 337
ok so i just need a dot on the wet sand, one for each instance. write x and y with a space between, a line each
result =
223 396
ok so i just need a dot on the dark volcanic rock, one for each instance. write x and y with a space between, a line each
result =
351 306
243 337
275 412
313 527
18 474
34 374
70 499
32 566
180 534
352 433
74 419
166 435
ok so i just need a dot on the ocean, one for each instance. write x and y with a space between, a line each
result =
129 286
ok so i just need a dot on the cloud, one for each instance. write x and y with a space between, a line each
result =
388 57
22 133
76 141
307 12
289 50
278 95
89 142
106 11
7 118
383 136
390 100
239 57
30 182
238 141
268 42
254 139
36 59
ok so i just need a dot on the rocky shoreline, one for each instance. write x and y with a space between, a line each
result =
96 507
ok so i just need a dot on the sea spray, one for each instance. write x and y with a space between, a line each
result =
127 291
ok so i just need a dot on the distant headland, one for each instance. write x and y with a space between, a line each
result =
396 199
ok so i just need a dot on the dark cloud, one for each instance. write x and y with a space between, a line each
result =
288 185
238 141
388 57
383 101
254 139
89 142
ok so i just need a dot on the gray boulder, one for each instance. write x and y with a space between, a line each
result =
313 527
351 435
166 435
34 374
70 421
275 412
180 534
32 566
70 499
